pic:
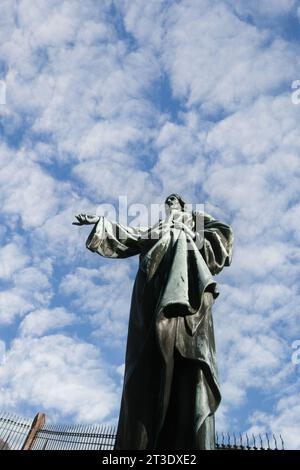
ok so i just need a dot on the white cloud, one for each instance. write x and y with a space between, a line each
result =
29 288
290 219
198 54
81 84
26 190
42 321
58 237
263 7
108 134
60 375
144 21
12 258
269 258
121 369
284 420
110 181
12 304
34 280
2 351
104 294
180 165
254 132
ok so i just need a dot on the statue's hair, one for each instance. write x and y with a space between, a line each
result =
179 198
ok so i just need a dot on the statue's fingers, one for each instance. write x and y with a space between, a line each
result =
76 223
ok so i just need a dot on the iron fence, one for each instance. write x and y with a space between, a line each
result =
75 437
13 431
244 442
17 433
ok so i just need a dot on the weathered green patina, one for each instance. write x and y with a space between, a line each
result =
171 390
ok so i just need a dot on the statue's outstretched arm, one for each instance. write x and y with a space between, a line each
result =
111 239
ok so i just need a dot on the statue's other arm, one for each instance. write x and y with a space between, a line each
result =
217 242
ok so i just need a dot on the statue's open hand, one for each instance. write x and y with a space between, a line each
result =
85 219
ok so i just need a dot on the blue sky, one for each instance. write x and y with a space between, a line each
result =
109 98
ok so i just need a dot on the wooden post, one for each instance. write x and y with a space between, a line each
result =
37 423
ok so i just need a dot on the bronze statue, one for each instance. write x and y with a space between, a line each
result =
171 390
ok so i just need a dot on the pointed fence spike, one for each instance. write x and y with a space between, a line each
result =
269 448
282 442
254 442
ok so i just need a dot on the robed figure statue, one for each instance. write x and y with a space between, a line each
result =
170 390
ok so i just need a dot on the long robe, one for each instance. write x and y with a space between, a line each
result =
170 360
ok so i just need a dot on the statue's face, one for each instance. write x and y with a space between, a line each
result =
173 203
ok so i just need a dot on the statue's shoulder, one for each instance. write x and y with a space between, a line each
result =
203 217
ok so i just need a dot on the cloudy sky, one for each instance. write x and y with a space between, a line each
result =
143 98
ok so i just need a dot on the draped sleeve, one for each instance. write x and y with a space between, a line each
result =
113 240
217 242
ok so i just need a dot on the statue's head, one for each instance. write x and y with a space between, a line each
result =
174 201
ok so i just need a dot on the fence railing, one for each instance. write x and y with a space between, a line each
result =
244 442
65 437
13 431
18 433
